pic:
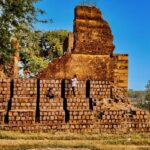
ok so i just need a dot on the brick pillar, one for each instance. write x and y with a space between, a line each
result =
14 69
70 42
2 75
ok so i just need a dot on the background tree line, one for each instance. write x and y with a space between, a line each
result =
141 98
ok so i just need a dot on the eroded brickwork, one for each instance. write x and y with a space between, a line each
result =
120 62
5 93
80 89
91 32
70 42
100 89
2 113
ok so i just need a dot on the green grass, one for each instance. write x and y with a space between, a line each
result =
22 141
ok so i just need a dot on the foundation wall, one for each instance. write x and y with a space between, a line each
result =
25 107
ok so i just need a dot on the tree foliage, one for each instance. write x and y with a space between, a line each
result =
147 96
146 104
52 43
42 47
131 93
15 16
140 95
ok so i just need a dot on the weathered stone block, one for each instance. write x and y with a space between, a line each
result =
51 104
52 117
21 117
2 114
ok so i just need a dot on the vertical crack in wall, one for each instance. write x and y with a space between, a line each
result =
67 114
63 88
88 94
88 88
37 116
6 119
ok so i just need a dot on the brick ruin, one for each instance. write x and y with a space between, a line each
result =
101 103
91 32
12 69
13 65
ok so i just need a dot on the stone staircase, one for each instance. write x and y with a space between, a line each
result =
25 107
22 112
80 89
52 115
80 115
51 112
5 95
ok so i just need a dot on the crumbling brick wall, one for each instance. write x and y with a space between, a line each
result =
5 93
92 33
91 54
120 75
120 120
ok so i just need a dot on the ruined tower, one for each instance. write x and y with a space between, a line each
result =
13 66
91 55
92 33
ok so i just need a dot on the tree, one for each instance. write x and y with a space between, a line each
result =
147 96
52 43
15 16
131 93
42 47
30 53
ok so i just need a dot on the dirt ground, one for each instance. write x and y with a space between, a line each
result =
61 149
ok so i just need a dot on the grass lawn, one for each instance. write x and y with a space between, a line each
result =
22 141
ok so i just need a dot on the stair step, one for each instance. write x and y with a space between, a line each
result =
19 117
2 114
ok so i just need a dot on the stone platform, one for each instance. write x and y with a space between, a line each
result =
36 112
